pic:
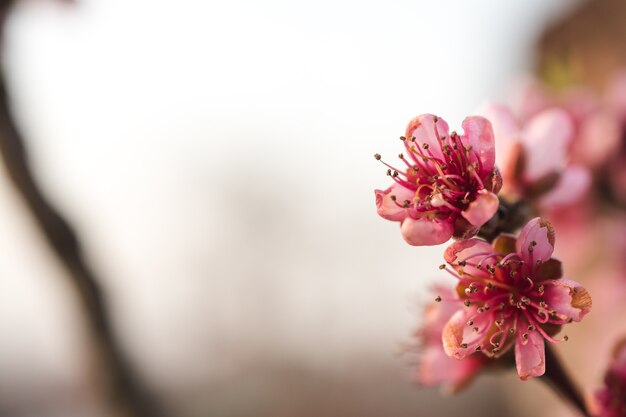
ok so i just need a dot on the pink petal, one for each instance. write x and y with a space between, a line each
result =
530 98
459 339
530 355
481 210
426 132
387 208
568 297
474 249
437 368
478 133
425 232
546 138
572 186
437 314
506 130
599 136
538 235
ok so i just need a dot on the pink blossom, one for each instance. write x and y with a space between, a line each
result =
514 295
534 157
448 182
434 367
611 399
595 119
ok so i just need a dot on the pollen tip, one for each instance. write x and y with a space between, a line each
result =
377 156
438 299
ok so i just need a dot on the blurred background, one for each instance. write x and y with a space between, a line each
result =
215 159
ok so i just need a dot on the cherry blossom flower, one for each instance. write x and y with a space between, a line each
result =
448 182
611 399
596 119
434 367
534 157
513 295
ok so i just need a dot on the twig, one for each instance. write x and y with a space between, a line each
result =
557 378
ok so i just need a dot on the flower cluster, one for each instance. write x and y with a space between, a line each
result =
535 157
510 293
514 295
448 182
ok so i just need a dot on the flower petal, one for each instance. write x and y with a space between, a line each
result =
536 241
571 187
546 138
568 297
470 250
478 133
599 135
387 208
530 357
436 368
427 129
506 130
481 210
425 232
459 339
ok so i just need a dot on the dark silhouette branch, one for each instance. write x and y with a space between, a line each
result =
126 390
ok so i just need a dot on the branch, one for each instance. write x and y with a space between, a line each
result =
557 378
126 390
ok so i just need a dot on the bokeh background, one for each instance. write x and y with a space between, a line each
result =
216 160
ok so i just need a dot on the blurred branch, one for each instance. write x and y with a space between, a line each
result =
558 379
125 387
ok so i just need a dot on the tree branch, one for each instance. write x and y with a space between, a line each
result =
126 390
